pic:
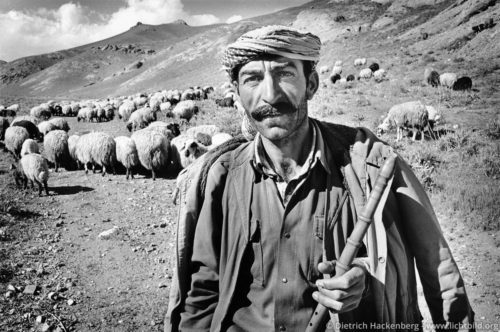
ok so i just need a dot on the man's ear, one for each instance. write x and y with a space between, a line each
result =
312 84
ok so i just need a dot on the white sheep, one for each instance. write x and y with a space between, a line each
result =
126 109
60 123
324 69
412 114
337 70
365 73
338 63
448 79
210 130
55 146
359 62
14 108
41 112
379 75
141 118
97 148
219 138
152 149
72 148
14 139
29 146
45 127
185 149
34 168
185 110
126 154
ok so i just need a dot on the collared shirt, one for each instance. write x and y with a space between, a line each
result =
286 189
287 232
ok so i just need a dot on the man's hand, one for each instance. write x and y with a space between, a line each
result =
340 294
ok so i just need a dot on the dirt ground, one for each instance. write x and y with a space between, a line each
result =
84 283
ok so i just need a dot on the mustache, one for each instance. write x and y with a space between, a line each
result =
264 111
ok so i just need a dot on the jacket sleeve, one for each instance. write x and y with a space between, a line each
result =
203 295
441 280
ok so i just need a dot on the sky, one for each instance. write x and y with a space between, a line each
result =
30 27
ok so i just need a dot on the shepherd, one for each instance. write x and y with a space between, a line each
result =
265 221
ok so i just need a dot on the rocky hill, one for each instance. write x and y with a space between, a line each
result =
149 57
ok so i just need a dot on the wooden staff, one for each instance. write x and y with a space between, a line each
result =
321 316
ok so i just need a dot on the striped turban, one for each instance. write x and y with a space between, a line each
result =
271 40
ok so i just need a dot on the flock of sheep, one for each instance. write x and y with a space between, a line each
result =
373 70
154 145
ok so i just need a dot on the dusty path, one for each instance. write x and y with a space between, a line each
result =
122 283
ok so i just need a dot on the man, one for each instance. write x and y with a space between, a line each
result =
272 215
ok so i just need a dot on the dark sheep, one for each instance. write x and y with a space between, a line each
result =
32 129
334 78
463 83
424 35
174 128
374 67
433 78
7 112
481 27
475 28
350 78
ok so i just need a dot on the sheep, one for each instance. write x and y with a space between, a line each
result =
4 124
434 116
152 148
338 63
365 73
219 138
187 94
29 146
32 129
72 140
206 129
165 107
431 77
225 102
409 114
463 83
334 78
41 112
324 69
60 123
359 62
203 138
84 114
45 127
185 149
141 118
126 109
55 146
448 79
170 130
185 110
14 108
336 70
379 75
140 101
33 167
14 139
374 67
97 148
126 154
30 118
66 110
350 78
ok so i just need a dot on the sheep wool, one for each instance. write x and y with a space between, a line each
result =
152 149
185 110
45 127
448 79
55 145
205 129
412 114
220 138
96 148
35 169
365 73
29 146
72 147
14 139
126 154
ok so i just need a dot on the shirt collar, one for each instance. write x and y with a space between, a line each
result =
317 153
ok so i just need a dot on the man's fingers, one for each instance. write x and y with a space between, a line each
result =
345 304
354 277
327 267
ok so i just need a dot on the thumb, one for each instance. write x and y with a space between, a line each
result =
327 267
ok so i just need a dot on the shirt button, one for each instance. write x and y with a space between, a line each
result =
284 280
381 260
282 328
287 235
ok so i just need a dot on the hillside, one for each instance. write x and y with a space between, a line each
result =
149 57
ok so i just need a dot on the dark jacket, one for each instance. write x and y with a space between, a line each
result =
405 231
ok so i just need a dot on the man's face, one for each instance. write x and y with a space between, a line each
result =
274 94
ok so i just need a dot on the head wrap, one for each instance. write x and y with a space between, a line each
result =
271 40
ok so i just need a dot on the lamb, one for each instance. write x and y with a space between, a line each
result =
409 114
379 75
29 146
365 73
14 139
33 131
34 167
152 148
463 83
4 124
448 79
141 118
55 147
97 148
185 110
126 154
60 123
359 62
431 77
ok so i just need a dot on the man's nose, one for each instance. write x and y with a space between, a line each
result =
271 90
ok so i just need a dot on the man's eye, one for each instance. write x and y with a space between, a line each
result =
286 74
251 79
